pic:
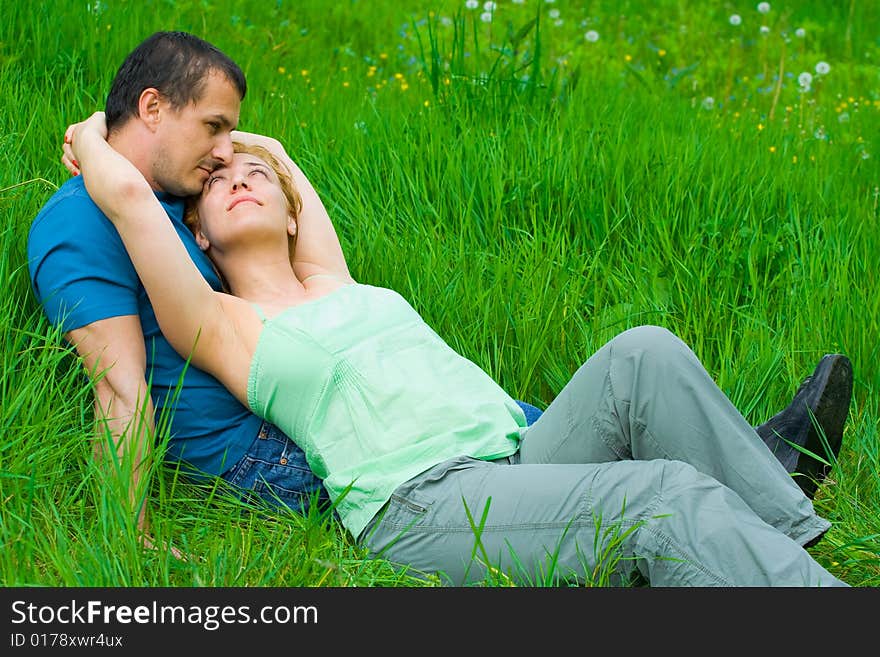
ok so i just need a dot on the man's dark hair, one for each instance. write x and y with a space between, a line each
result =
177 64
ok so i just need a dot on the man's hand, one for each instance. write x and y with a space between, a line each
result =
68 159
149 543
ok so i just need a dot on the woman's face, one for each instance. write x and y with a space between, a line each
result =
241 197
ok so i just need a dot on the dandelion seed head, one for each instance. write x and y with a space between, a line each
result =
765 29
804 79
822 68
592 36
708 103
486 17
553 13
800 33
764 7
736 19
472 4
489 6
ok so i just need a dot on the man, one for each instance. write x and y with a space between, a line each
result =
172 111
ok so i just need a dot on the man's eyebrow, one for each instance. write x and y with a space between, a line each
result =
223 120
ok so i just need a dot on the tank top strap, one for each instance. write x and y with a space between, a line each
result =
320 276
260 312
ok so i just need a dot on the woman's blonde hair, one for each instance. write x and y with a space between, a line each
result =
294 200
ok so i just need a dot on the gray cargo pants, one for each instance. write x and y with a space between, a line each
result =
640 465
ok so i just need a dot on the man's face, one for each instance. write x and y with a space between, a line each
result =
196 138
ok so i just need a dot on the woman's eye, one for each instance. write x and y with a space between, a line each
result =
260 171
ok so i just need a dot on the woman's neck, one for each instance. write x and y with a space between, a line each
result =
263 280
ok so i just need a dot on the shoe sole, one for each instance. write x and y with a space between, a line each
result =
829 416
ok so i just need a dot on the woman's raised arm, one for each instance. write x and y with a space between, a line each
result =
189 312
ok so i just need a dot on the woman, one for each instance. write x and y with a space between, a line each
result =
424 456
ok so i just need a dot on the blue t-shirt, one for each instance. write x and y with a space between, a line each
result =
81 273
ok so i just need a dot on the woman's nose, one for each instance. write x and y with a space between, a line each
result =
239 182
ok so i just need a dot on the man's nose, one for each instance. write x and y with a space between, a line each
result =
223 150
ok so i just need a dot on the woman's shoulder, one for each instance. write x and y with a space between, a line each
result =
244 316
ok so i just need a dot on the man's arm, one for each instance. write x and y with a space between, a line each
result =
318 249
112 351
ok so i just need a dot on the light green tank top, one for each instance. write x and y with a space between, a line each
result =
374 396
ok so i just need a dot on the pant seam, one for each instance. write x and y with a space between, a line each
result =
665 540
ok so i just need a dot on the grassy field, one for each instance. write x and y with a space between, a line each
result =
534 178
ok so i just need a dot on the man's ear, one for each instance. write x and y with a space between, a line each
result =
202 241
149 106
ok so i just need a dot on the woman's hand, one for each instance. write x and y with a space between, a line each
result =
95 122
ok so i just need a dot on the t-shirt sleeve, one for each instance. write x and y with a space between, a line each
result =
79 269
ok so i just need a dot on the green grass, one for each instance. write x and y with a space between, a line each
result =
531 192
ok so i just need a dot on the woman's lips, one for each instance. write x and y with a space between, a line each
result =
242 199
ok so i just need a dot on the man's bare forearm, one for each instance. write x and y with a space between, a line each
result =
113 355
124 430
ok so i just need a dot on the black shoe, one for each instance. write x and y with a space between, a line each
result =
813 421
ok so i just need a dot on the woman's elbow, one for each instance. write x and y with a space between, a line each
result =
122 199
